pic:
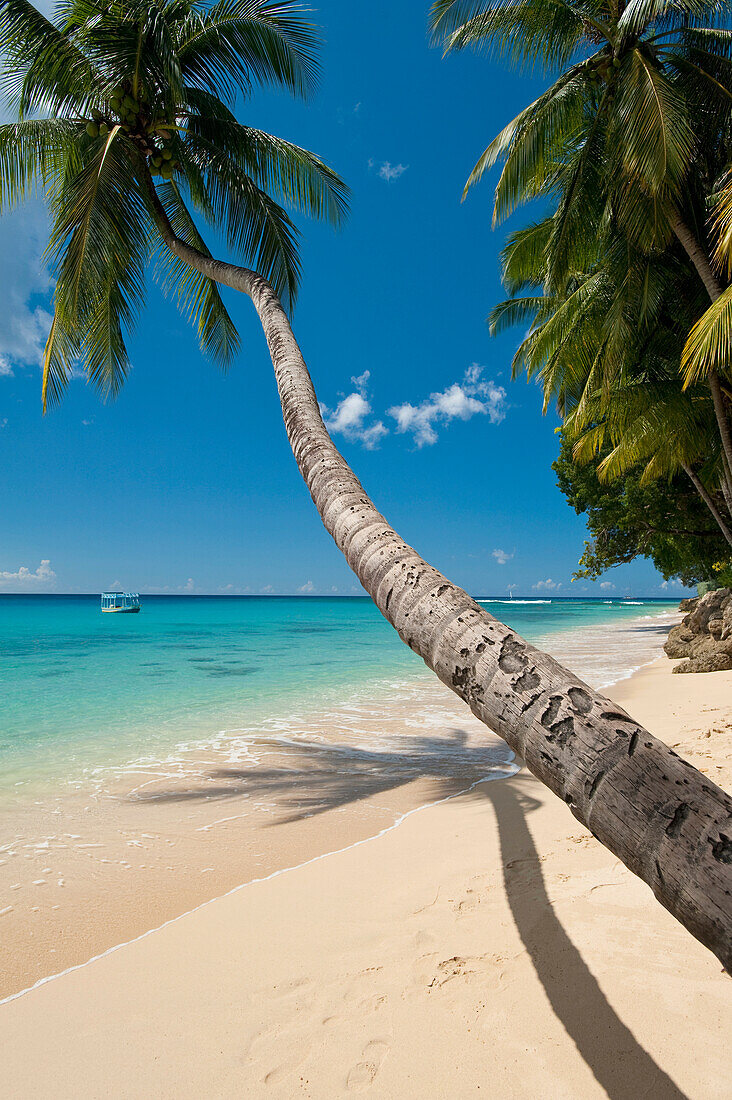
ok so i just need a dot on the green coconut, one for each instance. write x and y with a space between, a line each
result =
97 115
157 160
92 129
167 154
167 171
103 129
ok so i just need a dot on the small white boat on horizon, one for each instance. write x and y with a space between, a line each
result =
125 603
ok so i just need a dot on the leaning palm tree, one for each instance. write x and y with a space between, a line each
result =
136 91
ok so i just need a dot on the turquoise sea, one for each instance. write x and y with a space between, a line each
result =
82 691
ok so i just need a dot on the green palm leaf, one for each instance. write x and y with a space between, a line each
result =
141 86
709 345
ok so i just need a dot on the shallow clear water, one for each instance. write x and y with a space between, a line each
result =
81 690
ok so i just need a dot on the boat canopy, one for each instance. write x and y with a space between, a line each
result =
121 600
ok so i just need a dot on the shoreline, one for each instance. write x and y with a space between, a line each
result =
368 968
88 877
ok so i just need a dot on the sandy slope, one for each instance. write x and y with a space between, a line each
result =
486 946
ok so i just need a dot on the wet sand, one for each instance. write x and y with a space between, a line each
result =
486 945
93 868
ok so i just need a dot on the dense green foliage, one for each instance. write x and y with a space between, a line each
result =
111 93
630 148
665 521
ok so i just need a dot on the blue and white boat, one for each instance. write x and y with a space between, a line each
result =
124 602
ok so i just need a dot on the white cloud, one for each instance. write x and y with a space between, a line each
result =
501 556
389 171
307 587
459 401
4 422
24 321
350 416
607 585
188 586
547 586
266 588
26 581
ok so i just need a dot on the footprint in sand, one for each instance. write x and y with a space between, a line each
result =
362 1075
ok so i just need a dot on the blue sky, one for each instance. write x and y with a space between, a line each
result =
186 482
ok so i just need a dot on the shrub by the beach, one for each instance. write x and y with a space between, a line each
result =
665 521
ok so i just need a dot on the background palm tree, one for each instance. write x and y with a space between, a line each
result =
606 344
128 83
630 137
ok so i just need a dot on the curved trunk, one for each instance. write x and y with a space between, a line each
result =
705 496
699 259
665 820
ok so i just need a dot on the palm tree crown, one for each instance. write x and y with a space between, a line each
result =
112 92
622 127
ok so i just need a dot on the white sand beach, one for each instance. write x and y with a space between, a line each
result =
487 945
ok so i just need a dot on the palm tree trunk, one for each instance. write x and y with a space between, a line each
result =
727 485
700 261
666 821
701 490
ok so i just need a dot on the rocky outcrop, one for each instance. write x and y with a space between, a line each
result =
705 633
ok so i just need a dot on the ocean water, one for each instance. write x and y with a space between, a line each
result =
82 692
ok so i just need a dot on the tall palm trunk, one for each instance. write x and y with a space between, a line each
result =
665 820
699 258
701 490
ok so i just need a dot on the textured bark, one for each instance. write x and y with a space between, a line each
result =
665 820
726 486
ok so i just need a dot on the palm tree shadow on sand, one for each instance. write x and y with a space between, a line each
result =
617 1060
329 776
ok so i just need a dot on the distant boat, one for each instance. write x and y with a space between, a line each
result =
126 603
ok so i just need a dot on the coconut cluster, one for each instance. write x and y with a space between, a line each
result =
133 113
600 73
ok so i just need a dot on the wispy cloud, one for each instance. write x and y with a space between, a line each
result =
350 416
390 172
189 586
460 401
607 585
501 556
307 587
266 589
27 580
547 586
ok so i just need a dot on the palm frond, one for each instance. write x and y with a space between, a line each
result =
197 296
709 345
234 44
289 173
652 127
32 152
526 32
